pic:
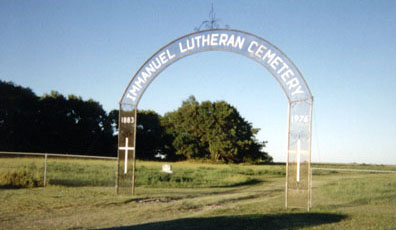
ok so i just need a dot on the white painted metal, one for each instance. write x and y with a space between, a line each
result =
126 148
260 51
298 159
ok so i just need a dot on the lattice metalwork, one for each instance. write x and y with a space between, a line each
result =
126 149
261 51
298 181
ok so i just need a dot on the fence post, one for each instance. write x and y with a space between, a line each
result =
45 170
310 189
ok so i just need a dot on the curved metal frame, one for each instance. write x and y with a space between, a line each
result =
240 42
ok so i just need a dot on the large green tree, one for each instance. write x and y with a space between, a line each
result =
213 130
52 123
149 135
72 125
18 118
184 131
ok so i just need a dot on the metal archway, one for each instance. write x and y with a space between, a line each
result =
298 181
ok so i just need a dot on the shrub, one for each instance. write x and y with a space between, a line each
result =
20 178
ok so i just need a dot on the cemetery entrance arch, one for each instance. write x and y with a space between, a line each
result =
298 181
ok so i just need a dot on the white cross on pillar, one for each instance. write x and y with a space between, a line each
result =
126 149
299 154
298 159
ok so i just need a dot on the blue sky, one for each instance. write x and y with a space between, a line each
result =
344 49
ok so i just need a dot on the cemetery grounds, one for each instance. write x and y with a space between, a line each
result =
80 194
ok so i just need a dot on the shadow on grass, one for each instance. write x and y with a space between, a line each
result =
82 183
7 187
251 181
79 182
277 221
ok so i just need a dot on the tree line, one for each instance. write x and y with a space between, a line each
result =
54 123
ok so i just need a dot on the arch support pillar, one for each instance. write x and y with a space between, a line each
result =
126 160
298 164
298 177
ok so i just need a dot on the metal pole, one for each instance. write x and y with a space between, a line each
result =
310 189
118 151
45 170
288 150
134 153
310 158
133 172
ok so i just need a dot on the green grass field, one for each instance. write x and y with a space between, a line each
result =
81 195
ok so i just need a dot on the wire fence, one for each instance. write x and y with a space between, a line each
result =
349 187
58 155
63 169
356 184
355 170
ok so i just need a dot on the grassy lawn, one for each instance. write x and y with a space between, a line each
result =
81 195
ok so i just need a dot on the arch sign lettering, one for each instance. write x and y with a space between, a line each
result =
298 181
